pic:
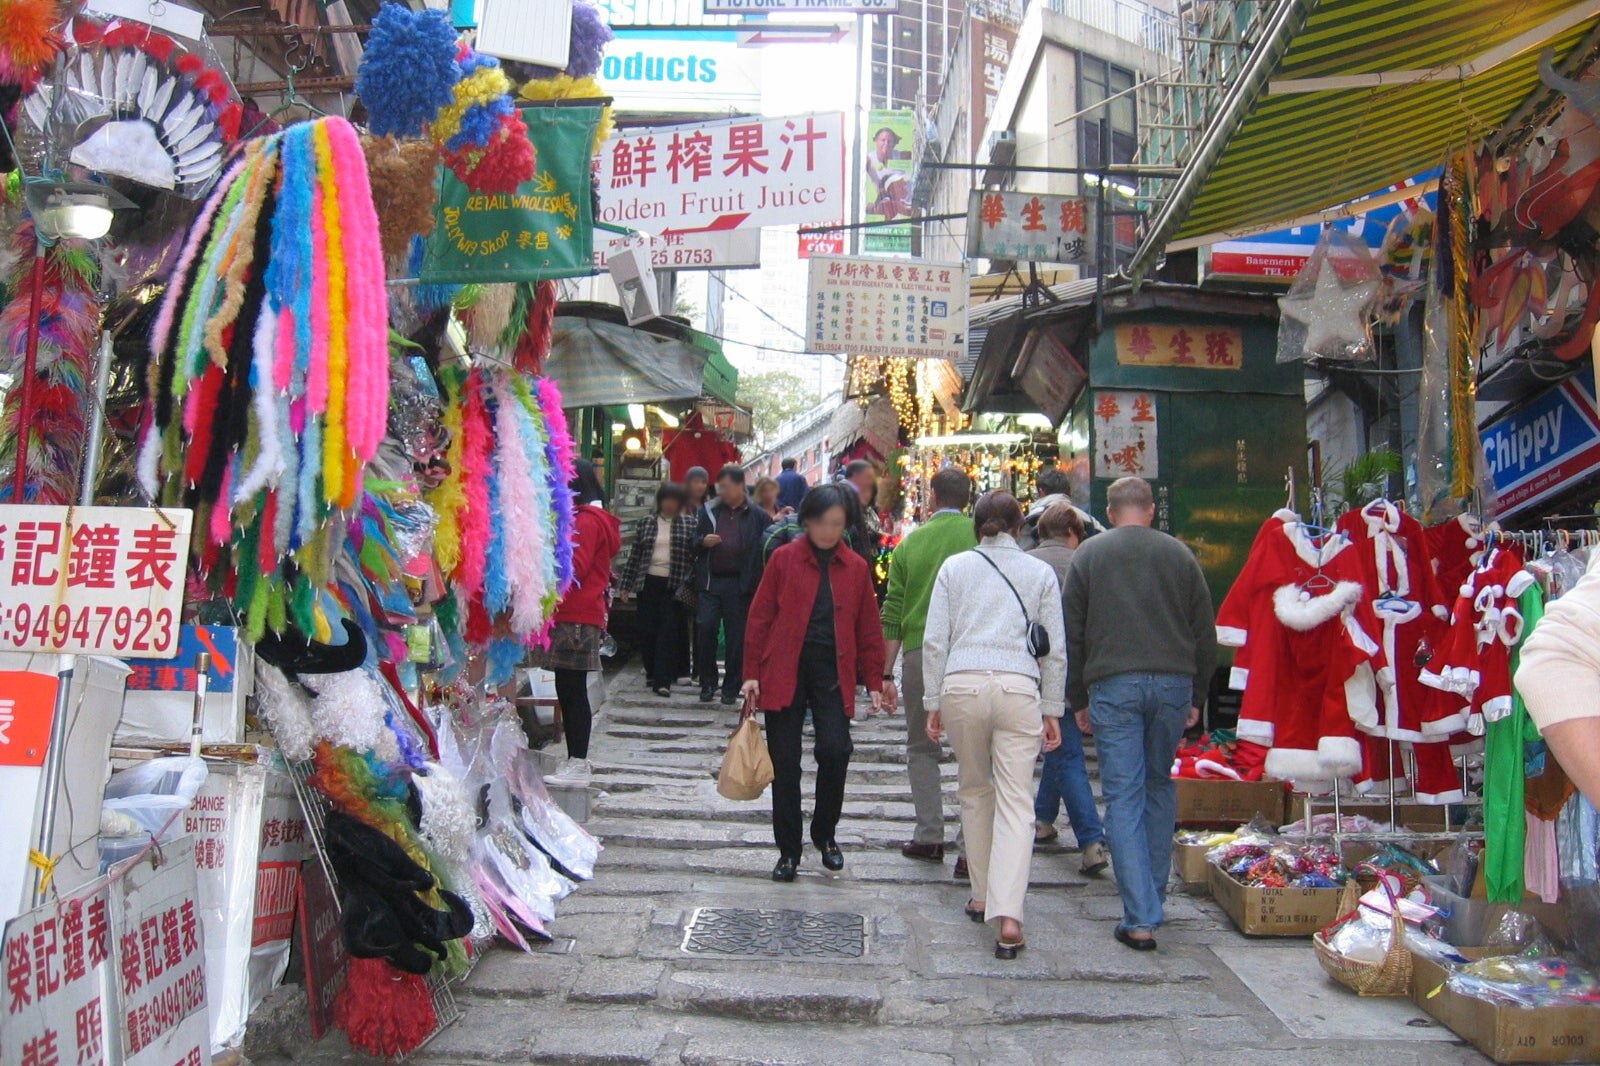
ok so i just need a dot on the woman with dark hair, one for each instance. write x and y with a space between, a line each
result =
659 566
580 619
813 634
985 681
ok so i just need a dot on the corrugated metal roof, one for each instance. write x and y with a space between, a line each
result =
1454 73
980 317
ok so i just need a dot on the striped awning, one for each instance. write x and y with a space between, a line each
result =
1363 94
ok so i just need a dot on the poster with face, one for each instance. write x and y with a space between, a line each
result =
886 180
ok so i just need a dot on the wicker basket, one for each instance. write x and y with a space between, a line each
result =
1390 977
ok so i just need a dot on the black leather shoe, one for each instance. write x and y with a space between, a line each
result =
960 871
1137 943
786 869
1008 949
923 852
707 695
729 699
832 857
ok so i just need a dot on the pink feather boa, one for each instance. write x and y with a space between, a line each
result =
367 394
519 509
477 446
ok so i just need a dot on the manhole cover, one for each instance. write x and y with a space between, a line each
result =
776 934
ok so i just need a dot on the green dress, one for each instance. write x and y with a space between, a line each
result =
1505 828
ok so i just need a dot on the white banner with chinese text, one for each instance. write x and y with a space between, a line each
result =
92 580
725 174
1029 227
1125 434
887 307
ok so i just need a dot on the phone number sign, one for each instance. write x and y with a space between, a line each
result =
92 580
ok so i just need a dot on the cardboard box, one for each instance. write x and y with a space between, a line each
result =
1274 911
1504 1033
1189 862
1229 803
1473 921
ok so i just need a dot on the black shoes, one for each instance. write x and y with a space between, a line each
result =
832 857
1137 943
1008 949
786 869
729 699
923 852
707 695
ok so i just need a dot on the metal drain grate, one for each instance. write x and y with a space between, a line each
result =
776 934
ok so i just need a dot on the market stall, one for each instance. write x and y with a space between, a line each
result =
313 377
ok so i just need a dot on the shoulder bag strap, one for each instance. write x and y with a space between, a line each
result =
1025 616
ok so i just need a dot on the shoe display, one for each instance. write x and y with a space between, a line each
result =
1045 832
960 872
1095 858
786 869
832 857
923 852
572 772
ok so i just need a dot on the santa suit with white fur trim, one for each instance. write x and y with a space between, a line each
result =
1397 573
1307 661
1474 666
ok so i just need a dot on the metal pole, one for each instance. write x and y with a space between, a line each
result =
857 156
91 455
30 364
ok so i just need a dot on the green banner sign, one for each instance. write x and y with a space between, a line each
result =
543 230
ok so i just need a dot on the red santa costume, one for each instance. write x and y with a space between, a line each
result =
1306 659
1455 548
1398 576
1473 667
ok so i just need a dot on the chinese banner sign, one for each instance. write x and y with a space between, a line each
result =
727 174
886 192
887 307
57 993
1200 347
1030 226
992 40
161 963
92 580
543 230
1125 435
27 707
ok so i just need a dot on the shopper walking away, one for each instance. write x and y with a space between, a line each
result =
997 692
1142 645
580 620
814 635
912 570
659 566
730 529
1065 779
1052 486
792 486
766 496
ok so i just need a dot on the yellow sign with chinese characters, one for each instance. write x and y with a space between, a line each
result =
1197 347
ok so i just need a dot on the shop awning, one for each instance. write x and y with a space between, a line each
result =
597 362
721 378
1342 97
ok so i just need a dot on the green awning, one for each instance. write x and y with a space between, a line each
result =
721 380
1366 94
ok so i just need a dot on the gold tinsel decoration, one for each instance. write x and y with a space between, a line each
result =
1457 196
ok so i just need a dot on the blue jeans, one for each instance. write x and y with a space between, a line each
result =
1138 722
1065 782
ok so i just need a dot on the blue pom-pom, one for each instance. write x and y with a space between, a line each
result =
408 70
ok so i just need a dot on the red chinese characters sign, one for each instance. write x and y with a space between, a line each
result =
27 707
92 580
57 996
161 965
1198 347
1031 227
1125 443
723 175
887 307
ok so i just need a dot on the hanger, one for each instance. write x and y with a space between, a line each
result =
291 99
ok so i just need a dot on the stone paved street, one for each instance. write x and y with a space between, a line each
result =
618 986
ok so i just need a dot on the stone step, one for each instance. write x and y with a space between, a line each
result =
881 864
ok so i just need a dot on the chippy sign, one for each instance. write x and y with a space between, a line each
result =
1544 445
887 307
724 175
1029 226
1125 434
92 580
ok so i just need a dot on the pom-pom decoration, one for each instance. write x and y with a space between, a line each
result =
401 175
167 118
589 38
27 39
507 162
567 87
407 71
269 373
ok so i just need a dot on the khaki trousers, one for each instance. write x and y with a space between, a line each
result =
995 727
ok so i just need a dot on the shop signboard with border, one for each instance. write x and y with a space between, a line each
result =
863 305
1125 441
1199 348
92 580
1544 446
736 249
161 1015
725 174
1030 227
681 71
58 965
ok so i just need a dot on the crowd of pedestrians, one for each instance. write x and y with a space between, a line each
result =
1013 635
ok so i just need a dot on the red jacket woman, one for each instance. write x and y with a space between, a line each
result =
812 633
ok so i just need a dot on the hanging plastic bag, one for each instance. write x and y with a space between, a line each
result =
1326 314
746 767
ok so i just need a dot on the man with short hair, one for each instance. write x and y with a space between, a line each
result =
792 486
1141 645
1051 486
912 570
728 572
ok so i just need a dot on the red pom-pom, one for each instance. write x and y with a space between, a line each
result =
506 163
228 122
189 63
160 45
534 344
210 82
384 1011
86 31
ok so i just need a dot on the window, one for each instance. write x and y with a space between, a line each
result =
1097 81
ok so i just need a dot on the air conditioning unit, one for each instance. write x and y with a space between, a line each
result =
635 279
1002 148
